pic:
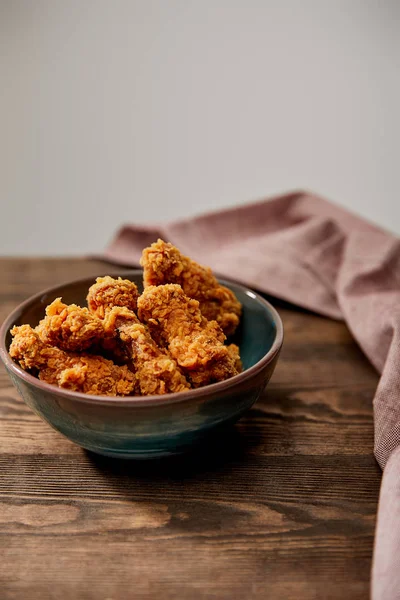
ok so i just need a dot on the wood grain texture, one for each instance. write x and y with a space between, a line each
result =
281 507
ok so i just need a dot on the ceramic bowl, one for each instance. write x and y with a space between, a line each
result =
151 426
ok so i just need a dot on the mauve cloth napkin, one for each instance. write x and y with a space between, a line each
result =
303 249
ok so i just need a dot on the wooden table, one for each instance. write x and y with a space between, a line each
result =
282 508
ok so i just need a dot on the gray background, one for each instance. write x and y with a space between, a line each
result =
114 111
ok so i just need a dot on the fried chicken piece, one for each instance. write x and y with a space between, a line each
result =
114 301
70 328
108 292
78 372
102 296
157 372
163 263
193 341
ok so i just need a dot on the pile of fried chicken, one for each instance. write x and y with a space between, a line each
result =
168 339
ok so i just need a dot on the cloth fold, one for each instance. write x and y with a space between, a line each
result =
303 249
385 579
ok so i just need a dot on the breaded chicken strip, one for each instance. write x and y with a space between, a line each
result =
163 263
70 328
157 372
78 372
108 292
195 343
102 296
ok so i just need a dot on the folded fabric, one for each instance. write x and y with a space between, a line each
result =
305 250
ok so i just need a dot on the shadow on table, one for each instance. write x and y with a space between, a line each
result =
219 452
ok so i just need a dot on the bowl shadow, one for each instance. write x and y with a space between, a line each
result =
221 451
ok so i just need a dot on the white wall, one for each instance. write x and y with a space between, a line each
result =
114 111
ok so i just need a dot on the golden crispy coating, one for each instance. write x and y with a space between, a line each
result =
106 349
234 353
163 263
71 328
157 372
108 292
28 349
195 343
78 372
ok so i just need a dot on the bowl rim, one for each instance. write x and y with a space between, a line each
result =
130 401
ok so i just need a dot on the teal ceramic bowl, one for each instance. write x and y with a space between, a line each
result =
151 426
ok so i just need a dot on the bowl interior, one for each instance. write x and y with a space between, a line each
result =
255 335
